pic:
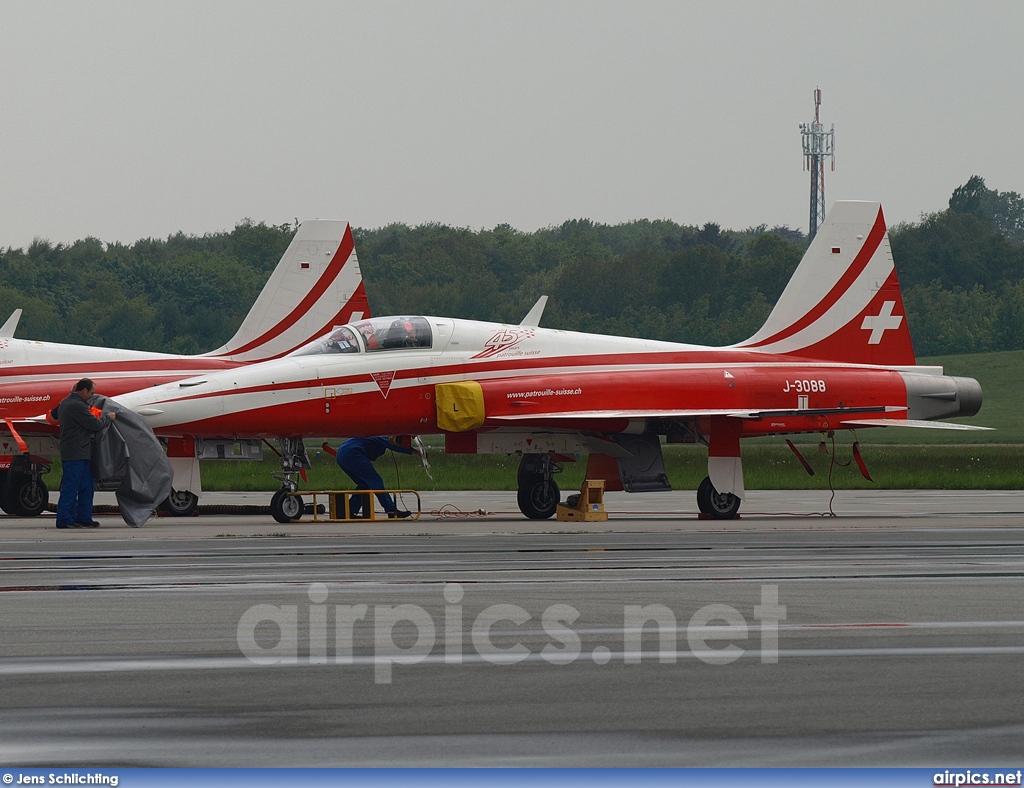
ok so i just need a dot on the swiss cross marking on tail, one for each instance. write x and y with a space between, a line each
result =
882 322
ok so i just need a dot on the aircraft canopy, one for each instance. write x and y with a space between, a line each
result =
392 333
378 333
340 340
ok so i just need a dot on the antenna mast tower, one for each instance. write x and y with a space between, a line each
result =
818 146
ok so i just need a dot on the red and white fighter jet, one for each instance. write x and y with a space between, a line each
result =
316 285
835 353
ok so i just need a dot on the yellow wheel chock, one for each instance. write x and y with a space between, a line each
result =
589 506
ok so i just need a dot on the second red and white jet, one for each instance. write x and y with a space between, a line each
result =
316 286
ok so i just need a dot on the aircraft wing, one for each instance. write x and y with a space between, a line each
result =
604 415
918 423
623 414
700 413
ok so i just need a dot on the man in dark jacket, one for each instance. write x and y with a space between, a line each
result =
78 424
355 456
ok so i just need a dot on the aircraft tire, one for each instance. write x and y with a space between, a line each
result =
719 506
26 496
5 503
538 499
180 503
286 508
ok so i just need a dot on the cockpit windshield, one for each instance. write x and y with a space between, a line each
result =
341 340
390 333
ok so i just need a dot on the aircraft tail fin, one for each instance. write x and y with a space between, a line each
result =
843 302
316 285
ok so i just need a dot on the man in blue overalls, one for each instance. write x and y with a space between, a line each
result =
355 456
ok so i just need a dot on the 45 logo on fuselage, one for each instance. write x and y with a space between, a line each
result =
503 340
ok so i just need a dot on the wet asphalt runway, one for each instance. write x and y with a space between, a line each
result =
891 634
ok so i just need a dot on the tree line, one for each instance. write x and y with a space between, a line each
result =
962 271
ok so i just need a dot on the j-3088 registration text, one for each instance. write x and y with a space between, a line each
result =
804 386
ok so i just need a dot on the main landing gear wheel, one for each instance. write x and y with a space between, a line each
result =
180 503
538 494
538 499
5 504
721 506
26 497
284 507
22 490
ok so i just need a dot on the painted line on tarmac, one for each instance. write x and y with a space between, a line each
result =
600 655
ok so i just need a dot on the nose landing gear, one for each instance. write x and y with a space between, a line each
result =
284 506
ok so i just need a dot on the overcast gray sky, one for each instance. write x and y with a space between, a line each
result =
125 120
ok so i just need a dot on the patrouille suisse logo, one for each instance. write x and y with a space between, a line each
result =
383 381
503 340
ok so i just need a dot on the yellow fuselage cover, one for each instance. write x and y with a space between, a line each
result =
460 406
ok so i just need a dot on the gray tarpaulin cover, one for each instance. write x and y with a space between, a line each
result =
128 459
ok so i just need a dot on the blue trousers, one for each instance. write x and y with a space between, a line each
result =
76 492
359 468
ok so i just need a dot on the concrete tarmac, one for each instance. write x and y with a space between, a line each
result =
498 512
891 634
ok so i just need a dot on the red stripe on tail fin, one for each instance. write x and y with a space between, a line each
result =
843 302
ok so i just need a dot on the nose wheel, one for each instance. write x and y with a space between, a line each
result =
180 503
285 507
